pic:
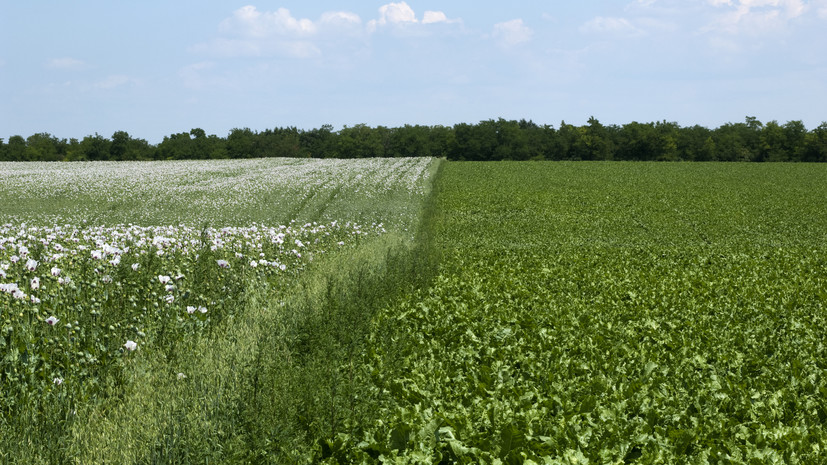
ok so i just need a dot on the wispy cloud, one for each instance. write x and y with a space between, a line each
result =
247 21
754 17
114 81
512 32
65 63
252 32
340 20
612 26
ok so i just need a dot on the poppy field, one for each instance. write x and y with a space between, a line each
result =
111 270
413 311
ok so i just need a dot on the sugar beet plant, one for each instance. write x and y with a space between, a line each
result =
611 313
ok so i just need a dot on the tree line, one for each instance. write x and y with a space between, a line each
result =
499 139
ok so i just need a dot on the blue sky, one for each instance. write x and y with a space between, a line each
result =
153 68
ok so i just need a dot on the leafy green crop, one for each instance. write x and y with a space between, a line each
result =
613 313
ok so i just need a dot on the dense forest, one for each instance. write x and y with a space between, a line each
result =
488 140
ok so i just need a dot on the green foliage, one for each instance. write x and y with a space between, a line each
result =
514 313
487 140
612 313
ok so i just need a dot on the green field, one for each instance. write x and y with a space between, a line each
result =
505 312
617 313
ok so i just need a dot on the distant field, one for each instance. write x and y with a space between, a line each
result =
413 311
217 193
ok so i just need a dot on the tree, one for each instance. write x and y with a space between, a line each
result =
736 142
665 144
773 143
816 145
595 141
795 139
16 149
95 148
441 139
241 143
177 147
360 141
119 146
511 141
41 147
639 141
318 143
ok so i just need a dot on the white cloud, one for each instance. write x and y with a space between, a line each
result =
393 13
512 32
340 17
434 17
255 33
754 17
401 14
613 26
250 32
65 63
396 13
247 21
